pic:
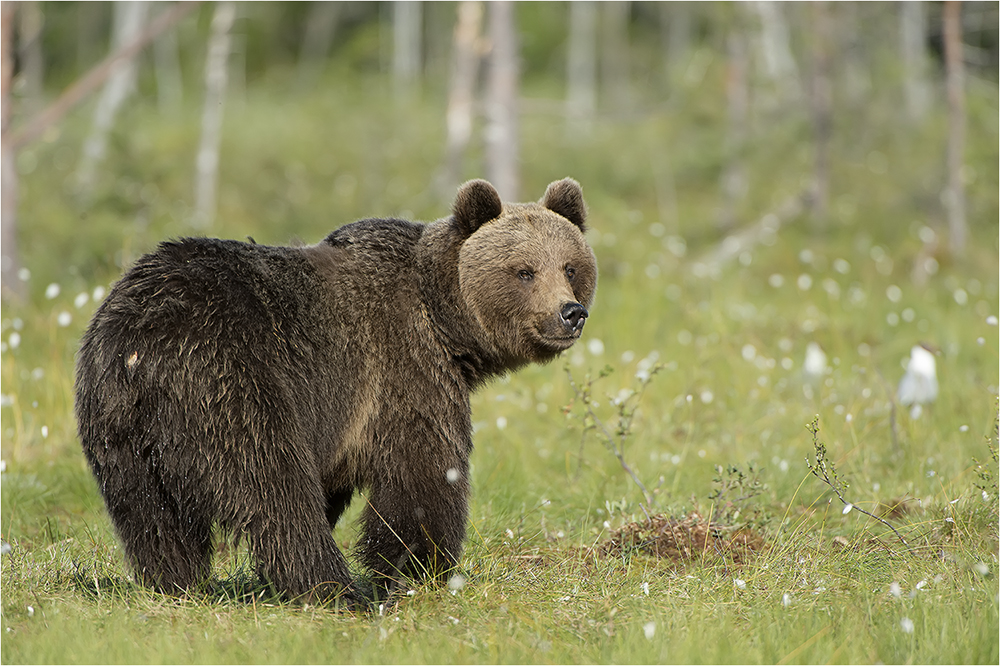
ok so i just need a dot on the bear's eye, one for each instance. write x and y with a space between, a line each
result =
570 272
526 275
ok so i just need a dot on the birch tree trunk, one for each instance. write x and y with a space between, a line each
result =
737 94
954 194
216 75
10 258
406 44
675 28
167 64
30 52
461 93
501 107
321 23
912 32
614 55
128 21
775 47
820 105
581 66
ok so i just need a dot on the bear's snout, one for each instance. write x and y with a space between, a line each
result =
573 316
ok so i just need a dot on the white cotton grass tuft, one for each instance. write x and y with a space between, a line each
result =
456 583
906 624
919 386
649 630
814 366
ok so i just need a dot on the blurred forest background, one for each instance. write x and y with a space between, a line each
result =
785 199
148 115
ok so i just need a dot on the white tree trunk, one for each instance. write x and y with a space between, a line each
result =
461 94
407 27
216 75
501 107
10 258
734 183
912 32
167 64
821 104
128 22
954 194
320 27
775 47
614 55
581 65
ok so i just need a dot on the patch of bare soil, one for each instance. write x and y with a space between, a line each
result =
685 539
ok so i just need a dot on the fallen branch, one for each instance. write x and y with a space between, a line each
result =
89 82
823 470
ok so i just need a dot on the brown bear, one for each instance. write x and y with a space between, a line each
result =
258 388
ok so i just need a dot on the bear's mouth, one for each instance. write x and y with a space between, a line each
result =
557 343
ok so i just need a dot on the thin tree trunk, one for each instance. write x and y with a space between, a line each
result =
675 26
30 49
820 103
912 32
10 258
321 23
775 46
207 166
737 95
465 65
581 65
129 18
166 60
406 44
501 108
614 55
954 195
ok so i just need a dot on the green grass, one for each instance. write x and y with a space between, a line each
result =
731 393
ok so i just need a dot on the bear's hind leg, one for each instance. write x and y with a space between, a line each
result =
169 549
295 552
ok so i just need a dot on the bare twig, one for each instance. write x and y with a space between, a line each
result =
615 443
824 470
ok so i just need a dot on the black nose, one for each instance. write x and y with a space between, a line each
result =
573 316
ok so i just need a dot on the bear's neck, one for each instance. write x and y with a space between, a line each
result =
458 331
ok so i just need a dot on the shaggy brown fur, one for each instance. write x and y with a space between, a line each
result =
258 388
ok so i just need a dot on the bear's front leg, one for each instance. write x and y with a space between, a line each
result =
414 521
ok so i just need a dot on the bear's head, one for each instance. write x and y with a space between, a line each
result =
525 271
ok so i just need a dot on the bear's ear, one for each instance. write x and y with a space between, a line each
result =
566 198
477 202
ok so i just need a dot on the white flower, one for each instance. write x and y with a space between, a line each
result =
740 583
645 589
52 291
649 630
895 590
81 299
786 600
14 340
501 422
906 624
595 346
64 319
847 508
98 293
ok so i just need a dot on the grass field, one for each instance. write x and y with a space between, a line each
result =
702 359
